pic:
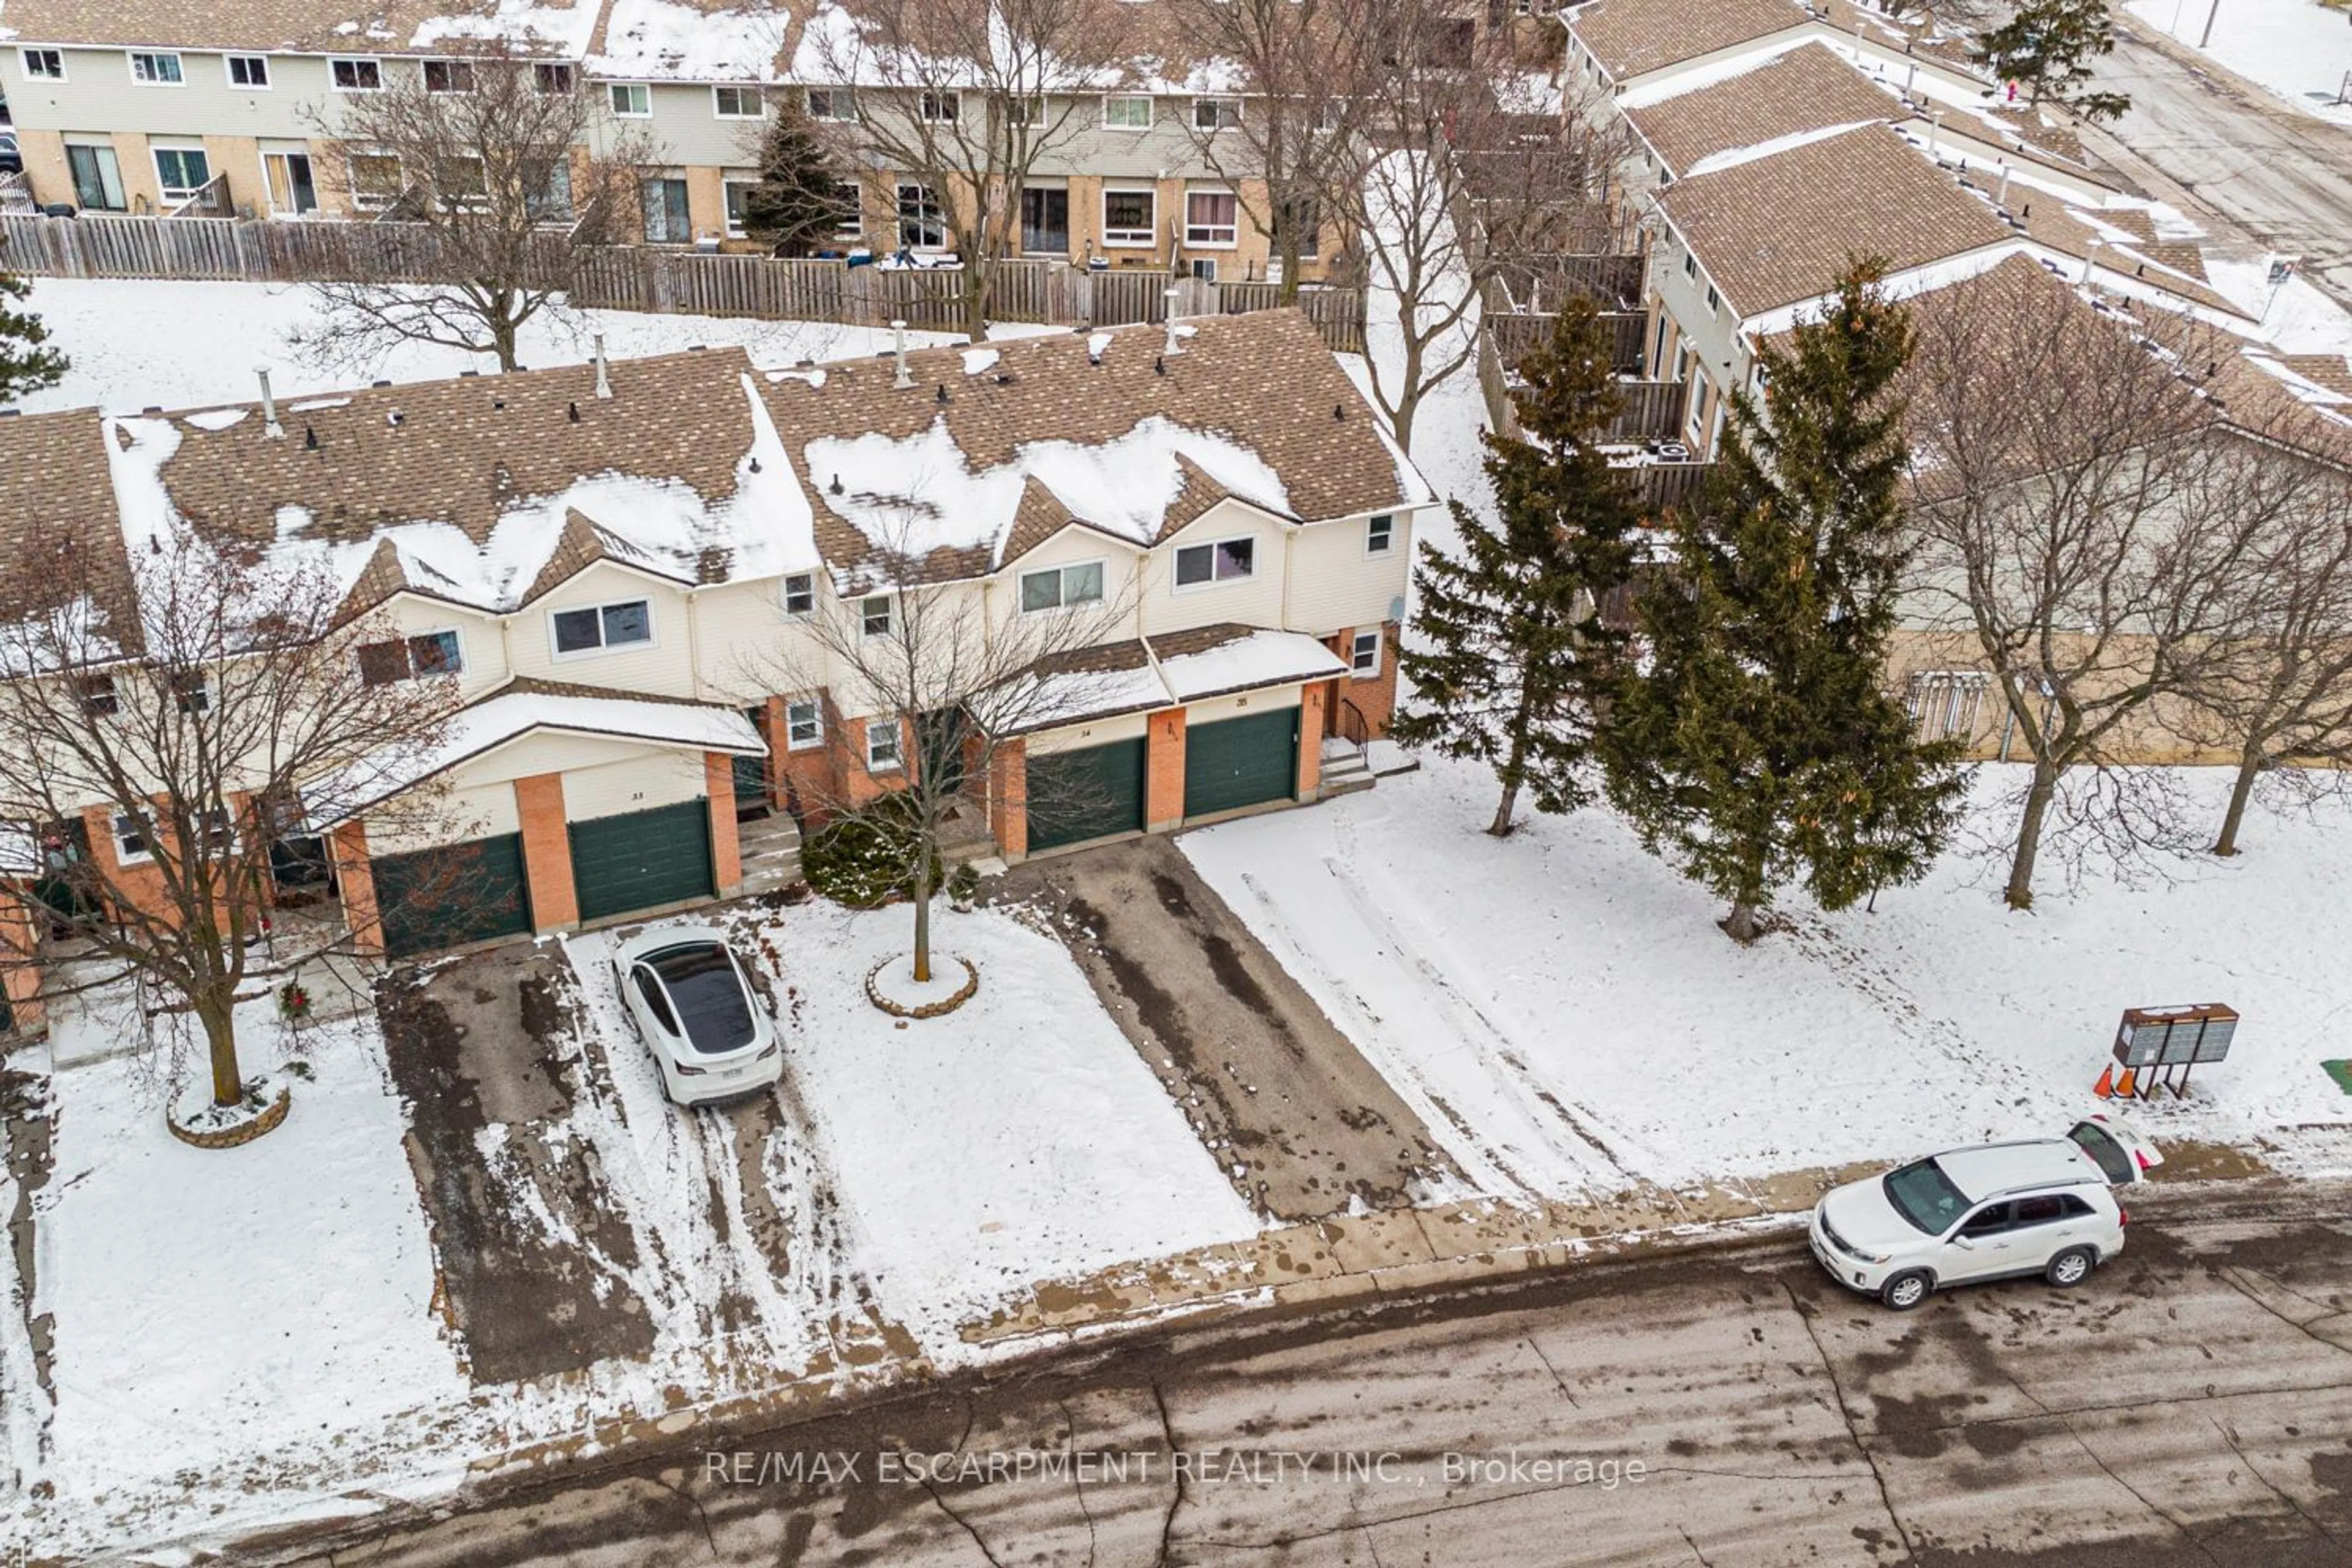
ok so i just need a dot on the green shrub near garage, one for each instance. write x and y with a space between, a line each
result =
867 857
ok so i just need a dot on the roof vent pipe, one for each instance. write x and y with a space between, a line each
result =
604 371
2091 257
901 381
269 426
2001 198
1174 345
1910 79
1935 129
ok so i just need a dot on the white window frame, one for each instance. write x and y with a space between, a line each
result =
194 697
892 757
853 195
552 76
813 707
425 76
98 695
228 72
1061 575
114 828
840 104
797 582
179 76
1690 263
1714 300
929 203
758 101
636 92
1233 231
1380 534
1126 239
866 627
1356 646
1150 110
174 194
1218 104
652 637
31 61
407 642
1175 573
355 62
734 225
930 99
373 201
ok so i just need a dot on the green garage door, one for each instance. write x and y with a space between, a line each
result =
1235 762
459 893
1086 793
640 859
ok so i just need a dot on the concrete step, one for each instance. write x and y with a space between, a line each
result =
1344 784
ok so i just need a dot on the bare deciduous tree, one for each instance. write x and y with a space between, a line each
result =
492 155
963 98
2089 526
198 754
955 675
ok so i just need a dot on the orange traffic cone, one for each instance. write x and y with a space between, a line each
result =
2123 1086
2106 1088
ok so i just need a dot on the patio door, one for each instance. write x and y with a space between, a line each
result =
1045 221
292 192
96 179
665 211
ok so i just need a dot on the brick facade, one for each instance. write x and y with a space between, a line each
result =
1008 799
1310 738
547 852
1163 765
726 850
347 848
1373 696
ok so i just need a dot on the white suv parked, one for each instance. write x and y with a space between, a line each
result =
1997 1211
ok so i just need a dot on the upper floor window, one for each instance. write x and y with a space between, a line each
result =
804 725
192 691
939 108
43 65
631 99
832 103
155 70
737 102
355 76
409 659
626 623
1714 300
1226 561
551 76
98 696
1216 113
1690 265
1127 111
874 616
247 70
1026 110
800 593
1380 534
448 75
1062 587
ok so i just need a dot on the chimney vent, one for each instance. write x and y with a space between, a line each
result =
901 381
269 426
604 371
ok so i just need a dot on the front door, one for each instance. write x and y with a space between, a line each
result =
292 191
941 734
1045 221
752 773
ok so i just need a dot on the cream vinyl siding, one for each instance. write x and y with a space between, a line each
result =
1333 583
664 666
1101 733
1166 152
99 96
479 811
749 650
1216 708
1254 602
687 129
1120 564
481 640
655 776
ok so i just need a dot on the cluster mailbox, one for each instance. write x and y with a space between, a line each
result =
2164 1043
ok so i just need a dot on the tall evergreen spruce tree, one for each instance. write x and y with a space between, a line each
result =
798 203
26 361
1515 644
1754 743
2047 45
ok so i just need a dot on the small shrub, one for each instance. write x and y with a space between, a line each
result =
866 858
963 885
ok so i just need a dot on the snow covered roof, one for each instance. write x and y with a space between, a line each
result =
1166 670
690 40
550 27
1108 430
522 707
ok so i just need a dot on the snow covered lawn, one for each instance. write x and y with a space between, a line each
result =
2299 49
264 1313
1018 1139
1566 1014
180 345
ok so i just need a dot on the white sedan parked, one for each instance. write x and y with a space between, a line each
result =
689 998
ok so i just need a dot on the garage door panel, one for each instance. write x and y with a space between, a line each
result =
1090 792
641 859
459 893
1235 762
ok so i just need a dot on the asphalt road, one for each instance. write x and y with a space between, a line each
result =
2284 177
2191 1404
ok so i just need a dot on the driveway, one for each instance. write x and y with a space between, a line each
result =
1303 1125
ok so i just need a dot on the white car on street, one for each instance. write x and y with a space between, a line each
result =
1998 1211
689 999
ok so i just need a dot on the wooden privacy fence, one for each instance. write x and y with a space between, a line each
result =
1517 333
637 278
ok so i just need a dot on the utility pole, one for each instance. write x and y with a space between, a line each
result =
2208 38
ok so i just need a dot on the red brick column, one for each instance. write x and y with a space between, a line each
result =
1163 770
346 850
1310 740
547 852
1008 799
779 735
20 970
726 850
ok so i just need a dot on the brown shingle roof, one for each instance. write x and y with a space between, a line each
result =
300 27
1632 37
1807 88
59 534
1776 230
